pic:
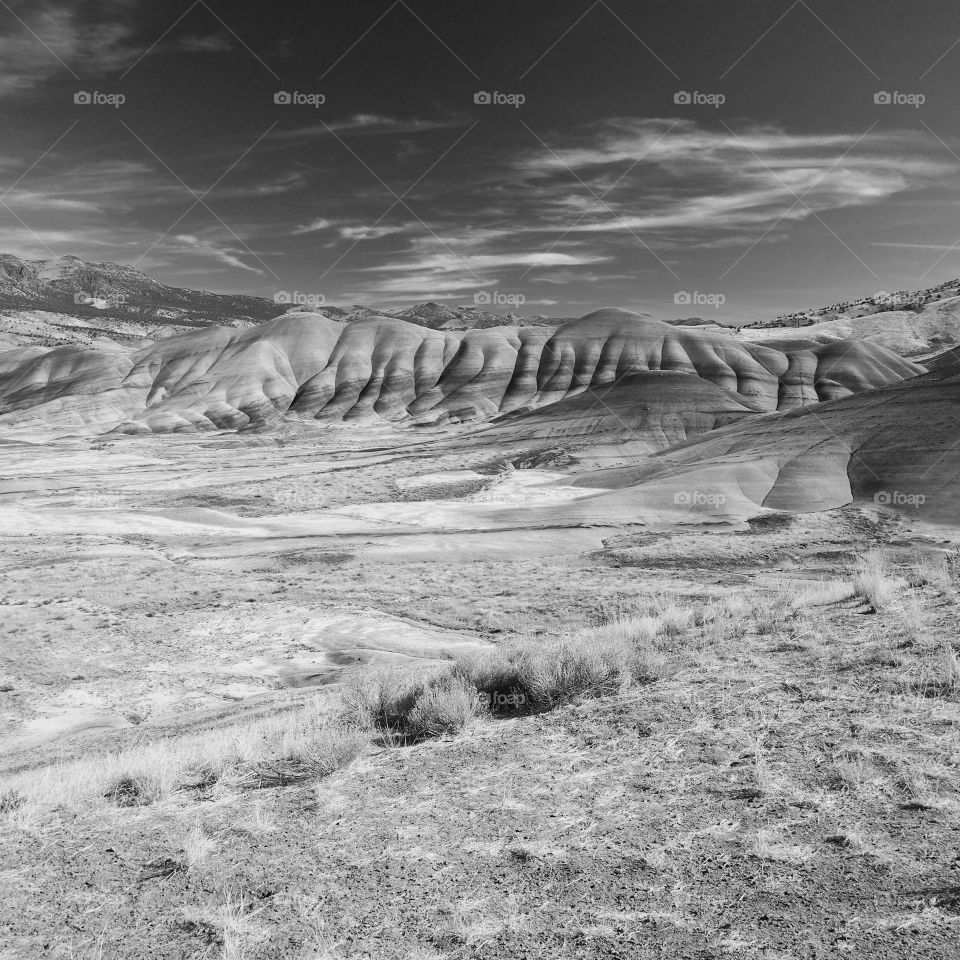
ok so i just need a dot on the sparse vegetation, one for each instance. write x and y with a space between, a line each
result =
303 755
537 676
716 722
405 707
873 582
197 848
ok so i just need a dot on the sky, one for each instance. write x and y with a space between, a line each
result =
734 161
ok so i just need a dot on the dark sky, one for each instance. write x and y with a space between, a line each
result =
599 189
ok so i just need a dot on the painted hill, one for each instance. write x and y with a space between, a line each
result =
911 333
308 367
894 447
637 414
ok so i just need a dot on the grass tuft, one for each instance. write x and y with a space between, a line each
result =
133 790
537 676
304 755
872 581
407 708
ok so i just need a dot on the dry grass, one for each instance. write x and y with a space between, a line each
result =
302 756
929 569
911 615
873 582
286 747
406 707
197 848
232 926
940 676
537 676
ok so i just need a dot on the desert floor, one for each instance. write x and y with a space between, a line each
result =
786 787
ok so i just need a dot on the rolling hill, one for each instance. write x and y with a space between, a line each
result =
307 367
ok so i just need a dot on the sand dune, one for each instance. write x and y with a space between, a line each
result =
306 367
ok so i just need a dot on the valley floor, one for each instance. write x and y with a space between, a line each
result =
786 788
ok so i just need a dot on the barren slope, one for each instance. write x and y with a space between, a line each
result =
898 446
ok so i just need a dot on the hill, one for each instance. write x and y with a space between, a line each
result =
308 367
890 447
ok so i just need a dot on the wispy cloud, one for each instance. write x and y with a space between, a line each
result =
211 43
206 248
370 124
601 194
644 176
314 226
919 246
81 39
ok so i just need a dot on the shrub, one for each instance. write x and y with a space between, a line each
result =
539 676
871 581
446 705
302 756
134 790
409 708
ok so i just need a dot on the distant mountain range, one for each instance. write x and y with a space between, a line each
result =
440 316
67 300
74 286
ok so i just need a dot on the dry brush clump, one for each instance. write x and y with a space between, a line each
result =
404 707
536 676
302 755
940 676
873 582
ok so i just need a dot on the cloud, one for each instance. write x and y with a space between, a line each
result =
43 41
370 124
447 263
79 38
371 232
612 189
351 232
314 226
212 251
644 176
273 187
212 43
920 246
438 273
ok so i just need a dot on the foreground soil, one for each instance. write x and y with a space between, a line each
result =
781 793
